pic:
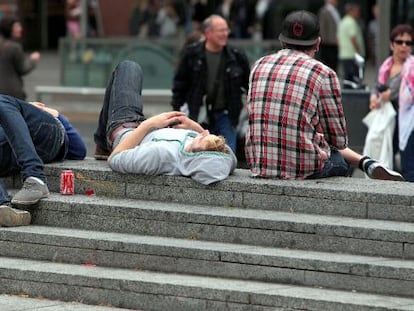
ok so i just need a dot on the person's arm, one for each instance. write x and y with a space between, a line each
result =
331 113
181 82
76 146
156 122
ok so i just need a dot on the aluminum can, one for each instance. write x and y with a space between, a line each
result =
67 182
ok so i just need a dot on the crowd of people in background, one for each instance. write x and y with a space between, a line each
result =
162 18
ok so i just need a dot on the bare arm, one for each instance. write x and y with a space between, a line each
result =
135 137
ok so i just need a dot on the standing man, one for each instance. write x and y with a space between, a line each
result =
351 41
297 126
211 78
329 20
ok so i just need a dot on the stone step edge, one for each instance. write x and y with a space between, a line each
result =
188 286
335 188
23 302
338 226
357 265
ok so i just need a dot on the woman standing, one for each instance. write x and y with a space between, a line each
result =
396 84
14 63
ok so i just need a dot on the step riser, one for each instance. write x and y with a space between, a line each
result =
177 264
165 224
287 196
130 294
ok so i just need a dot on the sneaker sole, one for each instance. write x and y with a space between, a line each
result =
28 203
12 218
384 174
101 157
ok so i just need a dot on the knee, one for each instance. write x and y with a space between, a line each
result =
130 65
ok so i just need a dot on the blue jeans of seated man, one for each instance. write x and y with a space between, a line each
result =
122 102
334 166
28 138
222 126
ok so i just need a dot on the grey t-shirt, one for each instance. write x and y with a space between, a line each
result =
162 152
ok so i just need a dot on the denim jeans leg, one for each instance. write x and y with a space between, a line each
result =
222 126
20 148
122 101
407 159
5 198
334 166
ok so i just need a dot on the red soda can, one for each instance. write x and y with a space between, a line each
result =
67 182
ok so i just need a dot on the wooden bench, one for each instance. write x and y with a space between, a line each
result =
42 90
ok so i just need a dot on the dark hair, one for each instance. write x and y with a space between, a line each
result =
6 26
400 30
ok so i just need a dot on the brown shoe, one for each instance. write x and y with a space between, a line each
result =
101 154
11 217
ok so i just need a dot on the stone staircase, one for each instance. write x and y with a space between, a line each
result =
168 243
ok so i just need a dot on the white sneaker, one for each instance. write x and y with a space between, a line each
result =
11 217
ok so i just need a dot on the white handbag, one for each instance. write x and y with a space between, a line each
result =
381 126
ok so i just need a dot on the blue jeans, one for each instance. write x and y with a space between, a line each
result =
222 126
28 138
350 69
407 159
334 166
122 102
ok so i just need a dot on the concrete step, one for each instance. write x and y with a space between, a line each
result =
127 288
379 275
230 225
351 197
25 303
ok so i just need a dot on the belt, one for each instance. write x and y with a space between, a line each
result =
119 129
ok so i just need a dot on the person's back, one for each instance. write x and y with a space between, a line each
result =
295 115
297 125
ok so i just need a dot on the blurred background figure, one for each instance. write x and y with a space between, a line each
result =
14 63
350 42
73 13
396 84
372 36
329 20
167 20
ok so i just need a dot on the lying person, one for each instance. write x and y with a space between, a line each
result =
166 144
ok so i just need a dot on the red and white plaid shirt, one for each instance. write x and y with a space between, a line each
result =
295 116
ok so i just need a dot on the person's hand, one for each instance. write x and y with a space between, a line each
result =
43 107
374 102
35 56
185 122
164 119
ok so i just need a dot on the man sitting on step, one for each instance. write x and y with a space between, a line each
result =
31 134
297 127
166 144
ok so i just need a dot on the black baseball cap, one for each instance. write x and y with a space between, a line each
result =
300 28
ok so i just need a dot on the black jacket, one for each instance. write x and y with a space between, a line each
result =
189 85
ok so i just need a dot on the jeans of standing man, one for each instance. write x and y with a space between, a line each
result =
122 101
350 70
28 136
407 159
222 126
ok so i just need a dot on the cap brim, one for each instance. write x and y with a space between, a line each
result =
297 42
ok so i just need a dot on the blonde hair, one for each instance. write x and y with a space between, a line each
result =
217 143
